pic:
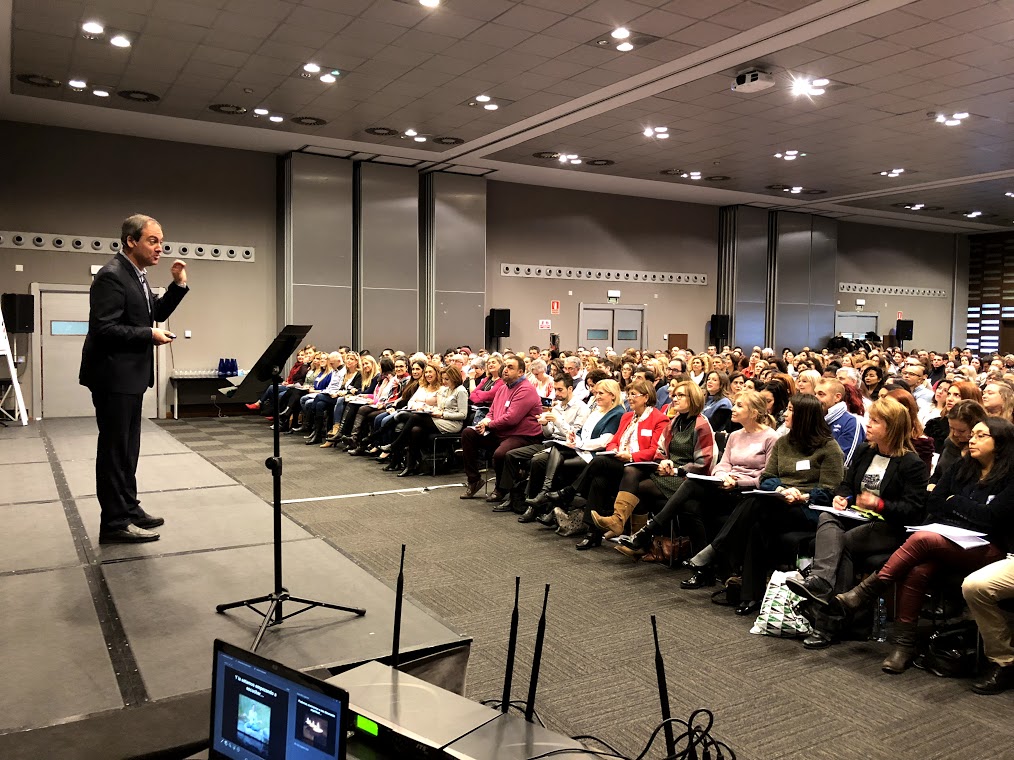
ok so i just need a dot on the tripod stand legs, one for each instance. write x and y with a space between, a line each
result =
274 613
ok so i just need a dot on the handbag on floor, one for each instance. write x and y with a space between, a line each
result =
778 615
952 652
668 550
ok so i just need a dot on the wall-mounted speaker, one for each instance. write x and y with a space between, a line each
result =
19 312
903 330
719 330
500 323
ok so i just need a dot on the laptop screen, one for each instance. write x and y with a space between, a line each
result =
263 710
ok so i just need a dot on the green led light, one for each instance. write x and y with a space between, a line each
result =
367 725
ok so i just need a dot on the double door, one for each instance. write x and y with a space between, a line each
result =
613 326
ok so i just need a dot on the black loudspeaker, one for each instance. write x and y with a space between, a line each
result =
500 323
903 330
719 330
19 312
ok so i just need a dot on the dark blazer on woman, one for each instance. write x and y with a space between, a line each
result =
118 353
903 487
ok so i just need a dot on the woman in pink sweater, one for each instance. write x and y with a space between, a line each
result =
697 500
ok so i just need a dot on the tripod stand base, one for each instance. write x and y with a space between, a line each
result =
274 613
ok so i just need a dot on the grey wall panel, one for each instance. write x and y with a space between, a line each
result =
823 280
750 271
792 326
459 232
749 325
821 326
320 209
389 320
328 309
460 320
390 226
792 268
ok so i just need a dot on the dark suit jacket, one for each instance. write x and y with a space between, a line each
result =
117 355
903 487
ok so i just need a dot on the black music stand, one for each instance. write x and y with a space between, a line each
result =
269 367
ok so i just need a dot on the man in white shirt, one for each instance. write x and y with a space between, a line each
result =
572 367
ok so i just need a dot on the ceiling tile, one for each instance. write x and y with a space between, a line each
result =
187 13
316 18
576 29
485 10
499 35
745 15
542 44
415 39
703 33
529 18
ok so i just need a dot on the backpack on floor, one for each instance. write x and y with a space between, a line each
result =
778 614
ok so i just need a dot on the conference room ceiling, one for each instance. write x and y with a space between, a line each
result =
195 71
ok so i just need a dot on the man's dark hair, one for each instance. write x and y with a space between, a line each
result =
386 365
565 380
132 228
536 348
594 376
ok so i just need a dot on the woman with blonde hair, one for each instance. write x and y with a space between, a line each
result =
698 504
806 382
886 478
998 400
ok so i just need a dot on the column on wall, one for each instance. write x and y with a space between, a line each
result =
317 231
804 249
743 273
387 271
457 260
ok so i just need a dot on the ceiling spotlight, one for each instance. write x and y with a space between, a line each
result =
960 116
410 133
1009 194
100 93
328 78
790 155
951 121
916 206
575 160
276 119
624 47
311 68
808 87
483 98
620 33
93 27
662 135
419 138
649 132
694 175
261 111
77 84
429 3
661 129
973 214
120 41
491 106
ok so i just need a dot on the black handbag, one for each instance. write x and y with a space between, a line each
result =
952 652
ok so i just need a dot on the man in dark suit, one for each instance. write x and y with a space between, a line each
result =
117 366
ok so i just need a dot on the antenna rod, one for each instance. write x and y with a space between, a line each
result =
399 592
663 693
540 637
512 645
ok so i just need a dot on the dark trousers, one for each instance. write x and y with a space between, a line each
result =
841 541
697 505
745 538
599 481
473 441
418 427
118 416
518 462
559 466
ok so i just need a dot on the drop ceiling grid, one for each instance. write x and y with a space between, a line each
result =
881 130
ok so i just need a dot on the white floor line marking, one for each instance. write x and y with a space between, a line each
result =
422 489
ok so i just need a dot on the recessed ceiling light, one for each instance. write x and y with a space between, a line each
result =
328 78
491 106
312 68
77 84
276 119
620 33
410 133
575 160
649 132
973 214
662 135
952 120
419 138
429 3
120 41
100 93
624 47
483 98
93 27
261 111
821 82
661 129
599 162
790 155
381 131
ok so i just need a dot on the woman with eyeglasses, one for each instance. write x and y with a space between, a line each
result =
636 440
962 417
686 444
977 494
805 461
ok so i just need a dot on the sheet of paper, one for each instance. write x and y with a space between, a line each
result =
944 530
708 478
850 513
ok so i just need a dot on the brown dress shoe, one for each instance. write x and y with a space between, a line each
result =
471 489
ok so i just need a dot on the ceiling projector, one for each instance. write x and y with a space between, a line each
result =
753 80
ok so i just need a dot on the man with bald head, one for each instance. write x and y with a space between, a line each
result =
845 426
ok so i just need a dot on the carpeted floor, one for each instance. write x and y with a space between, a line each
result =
771 698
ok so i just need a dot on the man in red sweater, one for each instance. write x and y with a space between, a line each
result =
513 422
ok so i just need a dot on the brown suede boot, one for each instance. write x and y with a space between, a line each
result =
623 508
902 638
862 595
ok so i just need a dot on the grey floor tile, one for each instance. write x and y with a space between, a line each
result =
154 473
35 536
27 482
